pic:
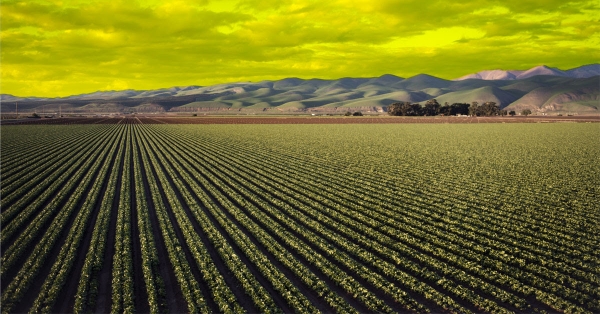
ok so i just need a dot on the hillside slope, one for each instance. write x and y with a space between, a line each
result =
551 92
481 95
582 95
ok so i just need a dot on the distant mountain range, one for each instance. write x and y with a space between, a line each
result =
579 72
541 89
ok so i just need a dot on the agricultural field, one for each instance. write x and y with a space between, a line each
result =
308 218
294 119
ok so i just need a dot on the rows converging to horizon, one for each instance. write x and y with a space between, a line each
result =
280 218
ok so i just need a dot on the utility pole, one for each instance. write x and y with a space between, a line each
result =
59 112
17 108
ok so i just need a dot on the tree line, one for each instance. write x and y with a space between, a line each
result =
433 108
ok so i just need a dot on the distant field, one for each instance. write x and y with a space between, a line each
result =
461 218
296 119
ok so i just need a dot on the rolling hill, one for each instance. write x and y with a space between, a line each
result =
541 89
481 95
581 95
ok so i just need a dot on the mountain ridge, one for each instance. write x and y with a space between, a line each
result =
549 92
583 71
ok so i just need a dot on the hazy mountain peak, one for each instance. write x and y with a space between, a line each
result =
389 77
421 81
288 82
490 75
579 72
585 71
541 70
423 76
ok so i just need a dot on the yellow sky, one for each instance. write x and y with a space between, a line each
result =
60 48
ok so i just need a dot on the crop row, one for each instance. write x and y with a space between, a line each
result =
461 208
542 284
59 225
234 219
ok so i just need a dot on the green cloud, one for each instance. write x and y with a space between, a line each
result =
52 48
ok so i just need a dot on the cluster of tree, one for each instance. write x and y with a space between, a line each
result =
433 108
356 114
454 109
487 109
405 109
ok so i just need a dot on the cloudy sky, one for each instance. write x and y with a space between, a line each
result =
59 48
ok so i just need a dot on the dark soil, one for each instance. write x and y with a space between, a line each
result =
173 295
299 120
36 285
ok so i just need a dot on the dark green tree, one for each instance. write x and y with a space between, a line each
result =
404 109
357 114
415 110
394 109
512 113
474 109
431 108
459 108
489 109
526 112
445 110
